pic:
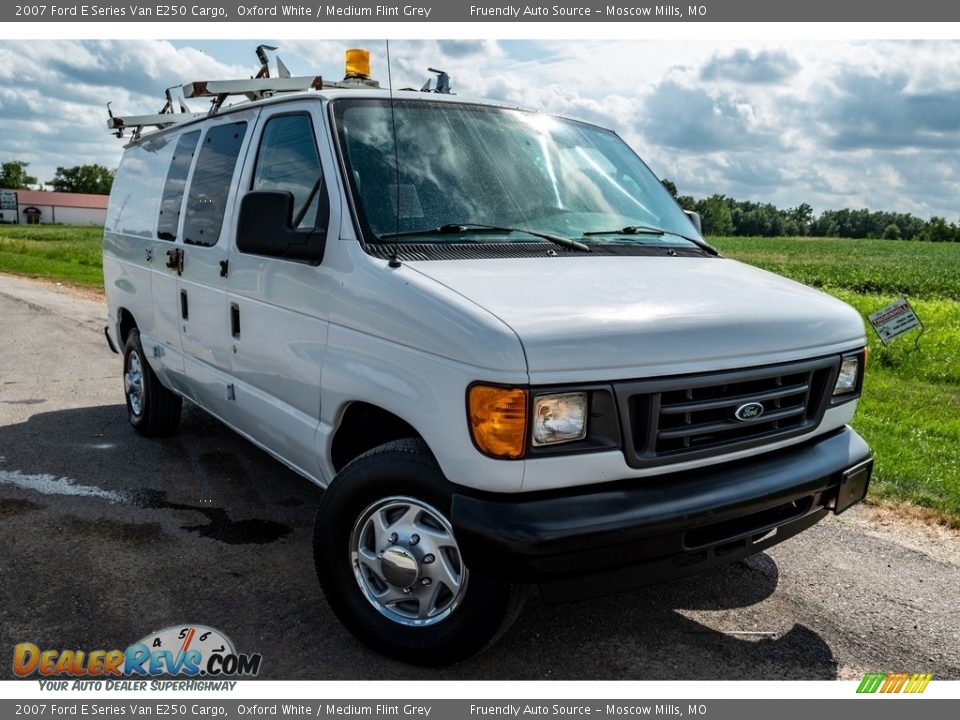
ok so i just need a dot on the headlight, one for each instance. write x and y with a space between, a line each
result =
559 418
849 372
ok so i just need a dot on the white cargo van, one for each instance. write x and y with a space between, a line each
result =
493 337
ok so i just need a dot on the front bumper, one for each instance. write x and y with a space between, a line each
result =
639 532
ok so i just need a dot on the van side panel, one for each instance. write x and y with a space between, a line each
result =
281 311
279 354
169 220
129 233
206 231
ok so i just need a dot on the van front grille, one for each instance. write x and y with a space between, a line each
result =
681 418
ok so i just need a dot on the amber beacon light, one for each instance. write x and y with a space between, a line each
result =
498 420
357 64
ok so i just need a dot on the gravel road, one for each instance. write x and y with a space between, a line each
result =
107 536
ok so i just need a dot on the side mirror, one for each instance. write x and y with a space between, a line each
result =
694 218
264 228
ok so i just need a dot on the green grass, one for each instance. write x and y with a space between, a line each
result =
59 252
910 409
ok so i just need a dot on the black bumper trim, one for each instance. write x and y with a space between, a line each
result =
646 530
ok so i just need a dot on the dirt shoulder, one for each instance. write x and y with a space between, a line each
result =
80 291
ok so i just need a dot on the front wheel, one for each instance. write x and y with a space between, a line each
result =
390 566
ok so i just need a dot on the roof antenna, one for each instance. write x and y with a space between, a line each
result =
394 260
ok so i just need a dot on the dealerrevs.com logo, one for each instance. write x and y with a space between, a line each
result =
190 651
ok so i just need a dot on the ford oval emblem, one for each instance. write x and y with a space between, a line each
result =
748 411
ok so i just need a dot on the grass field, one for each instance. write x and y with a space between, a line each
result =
910 411
60 252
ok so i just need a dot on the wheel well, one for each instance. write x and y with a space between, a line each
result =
364 427
127 323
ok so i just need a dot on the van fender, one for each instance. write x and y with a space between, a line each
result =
426 391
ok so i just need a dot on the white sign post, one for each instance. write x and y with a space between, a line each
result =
894 320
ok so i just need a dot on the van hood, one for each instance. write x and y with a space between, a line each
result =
644 316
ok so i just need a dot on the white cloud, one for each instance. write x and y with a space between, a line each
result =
865 123
54 95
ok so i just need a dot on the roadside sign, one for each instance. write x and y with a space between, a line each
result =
894 320
8 200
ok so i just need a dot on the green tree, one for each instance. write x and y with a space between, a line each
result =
715 216
670 186
800 218
13 175
891 232
94 179
938 230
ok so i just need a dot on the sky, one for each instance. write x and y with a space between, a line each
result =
865 123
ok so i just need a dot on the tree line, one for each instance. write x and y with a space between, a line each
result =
722 215
95 179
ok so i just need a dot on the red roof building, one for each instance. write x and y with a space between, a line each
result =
37 206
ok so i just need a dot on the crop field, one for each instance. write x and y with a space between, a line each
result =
910 410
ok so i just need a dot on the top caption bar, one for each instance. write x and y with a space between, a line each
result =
460 11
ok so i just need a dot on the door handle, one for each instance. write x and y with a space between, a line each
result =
175 260
235 320
184 310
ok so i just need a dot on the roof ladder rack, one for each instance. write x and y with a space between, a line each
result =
255 88
165 118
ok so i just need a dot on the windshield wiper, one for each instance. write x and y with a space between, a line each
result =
630 230
651 230
461 228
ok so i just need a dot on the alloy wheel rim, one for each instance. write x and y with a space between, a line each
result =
407 561
133 383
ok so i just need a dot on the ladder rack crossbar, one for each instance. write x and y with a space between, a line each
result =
254 88
159 120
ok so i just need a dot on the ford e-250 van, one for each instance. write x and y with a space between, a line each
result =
490 334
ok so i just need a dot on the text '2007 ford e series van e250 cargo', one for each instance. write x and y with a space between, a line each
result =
490 334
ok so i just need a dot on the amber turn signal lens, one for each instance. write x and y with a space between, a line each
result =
498 420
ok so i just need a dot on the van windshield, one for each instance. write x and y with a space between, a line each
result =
473 165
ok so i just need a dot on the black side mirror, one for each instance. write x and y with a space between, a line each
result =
265 228
694 217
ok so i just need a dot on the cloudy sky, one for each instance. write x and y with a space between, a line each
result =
836 124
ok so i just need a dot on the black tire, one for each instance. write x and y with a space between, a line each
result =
153 410
487 606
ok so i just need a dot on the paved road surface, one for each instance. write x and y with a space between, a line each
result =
106 536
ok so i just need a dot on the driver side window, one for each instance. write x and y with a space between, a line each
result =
287 160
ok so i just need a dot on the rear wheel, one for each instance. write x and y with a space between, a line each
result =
153 410
390 566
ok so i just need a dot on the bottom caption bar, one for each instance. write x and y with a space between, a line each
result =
872 707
